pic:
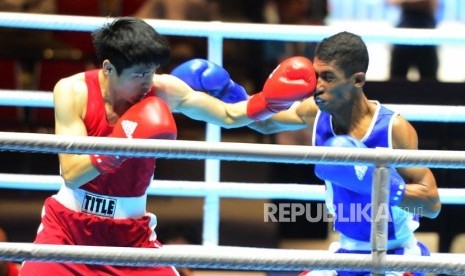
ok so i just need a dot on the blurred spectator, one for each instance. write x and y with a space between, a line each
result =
415 14
7 268
196 10
182 48
293 12
32 6
27 46
241 56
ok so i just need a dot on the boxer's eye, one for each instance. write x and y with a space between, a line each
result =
144 74
327 77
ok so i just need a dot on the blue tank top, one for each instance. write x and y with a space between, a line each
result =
351 210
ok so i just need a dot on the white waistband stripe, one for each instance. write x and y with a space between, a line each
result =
80 200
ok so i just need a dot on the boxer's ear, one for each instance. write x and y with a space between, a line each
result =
359 79
108 68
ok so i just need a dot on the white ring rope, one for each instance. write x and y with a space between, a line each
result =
227 257
180 188
183 188
26 98
419 113
49 143
238 30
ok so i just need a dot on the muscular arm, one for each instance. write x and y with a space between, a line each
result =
301 115
198 105
69 103
291 81
421 193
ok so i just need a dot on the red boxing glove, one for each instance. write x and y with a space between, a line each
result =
293 80
151 118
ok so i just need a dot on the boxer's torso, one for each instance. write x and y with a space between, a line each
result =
135 174
352 210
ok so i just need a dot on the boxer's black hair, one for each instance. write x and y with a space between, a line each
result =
128 41
347 50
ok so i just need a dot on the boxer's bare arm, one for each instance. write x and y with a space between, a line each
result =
198 105
421 191
301 115
70 97
293 80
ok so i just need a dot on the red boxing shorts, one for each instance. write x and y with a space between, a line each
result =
61 225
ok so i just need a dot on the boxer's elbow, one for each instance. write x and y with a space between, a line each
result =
68 180
430 207
76 177
263 127
421 200
431 201
71 180
433 208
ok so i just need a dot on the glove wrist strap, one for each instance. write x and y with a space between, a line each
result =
257 108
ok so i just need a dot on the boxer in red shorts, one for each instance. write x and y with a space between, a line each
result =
103 199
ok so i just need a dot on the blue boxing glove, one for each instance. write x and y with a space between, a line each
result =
358 178
203 75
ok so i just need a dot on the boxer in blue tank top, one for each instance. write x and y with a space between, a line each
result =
340 115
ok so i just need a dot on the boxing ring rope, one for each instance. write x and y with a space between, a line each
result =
215 32
228 257
412 112
181 188
229 30
229 151
12 141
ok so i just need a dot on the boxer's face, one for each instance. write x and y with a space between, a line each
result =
333 89
135 82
